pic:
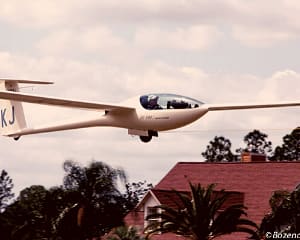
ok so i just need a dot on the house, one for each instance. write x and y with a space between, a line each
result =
252 182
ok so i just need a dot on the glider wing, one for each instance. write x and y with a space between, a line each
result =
221 107
23 97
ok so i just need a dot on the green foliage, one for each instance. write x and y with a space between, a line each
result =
6 186
256 142
88 205
93 182
290 149
135 192
125 233
29 217
219 150
198 216
99 204
34 214
285 214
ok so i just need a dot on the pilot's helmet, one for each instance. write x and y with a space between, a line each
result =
152 98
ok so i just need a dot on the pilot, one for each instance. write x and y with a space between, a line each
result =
153 102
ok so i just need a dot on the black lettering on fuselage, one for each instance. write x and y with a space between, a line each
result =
10 121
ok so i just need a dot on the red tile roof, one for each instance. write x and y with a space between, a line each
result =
253 182
168 197
257 180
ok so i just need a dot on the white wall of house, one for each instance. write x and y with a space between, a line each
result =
149 201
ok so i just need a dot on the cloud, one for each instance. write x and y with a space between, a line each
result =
33 13
261 37
49 13
105 44
94 40
264 24
191 38
189 25
281 86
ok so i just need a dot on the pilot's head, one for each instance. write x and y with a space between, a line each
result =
152 100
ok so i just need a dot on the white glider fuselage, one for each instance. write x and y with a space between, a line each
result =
138 120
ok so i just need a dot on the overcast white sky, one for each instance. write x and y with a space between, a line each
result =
215 51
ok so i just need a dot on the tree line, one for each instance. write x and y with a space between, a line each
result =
87 205
219 149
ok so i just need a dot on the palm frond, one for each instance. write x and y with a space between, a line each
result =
200 215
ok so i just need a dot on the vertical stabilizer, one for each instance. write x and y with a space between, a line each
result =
12 117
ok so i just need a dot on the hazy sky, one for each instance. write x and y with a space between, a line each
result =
216 51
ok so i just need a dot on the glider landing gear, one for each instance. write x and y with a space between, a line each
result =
148 138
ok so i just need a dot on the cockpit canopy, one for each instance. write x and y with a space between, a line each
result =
167 101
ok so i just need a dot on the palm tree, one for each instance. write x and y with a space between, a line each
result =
96 201
198 216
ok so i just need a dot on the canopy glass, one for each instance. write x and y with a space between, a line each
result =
168 101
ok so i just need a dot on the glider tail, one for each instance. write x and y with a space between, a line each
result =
12 118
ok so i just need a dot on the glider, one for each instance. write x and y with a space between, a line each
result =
144 115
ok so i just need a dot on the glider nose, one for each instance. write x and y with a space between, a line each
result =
186 116
199 112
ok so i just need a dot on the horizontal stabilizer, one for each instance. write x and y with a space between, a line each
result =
24 81
60 102
221 107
